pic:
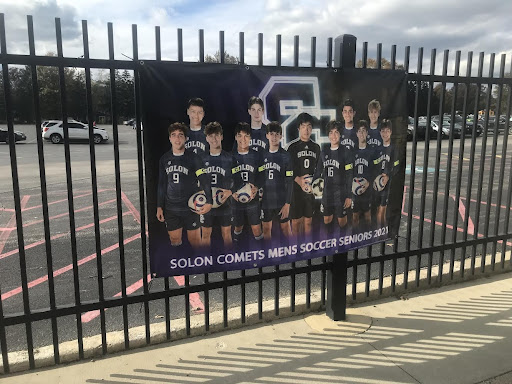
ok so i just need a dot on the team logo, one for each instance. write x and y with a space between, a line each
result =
197 201
359 185
244 194
318 187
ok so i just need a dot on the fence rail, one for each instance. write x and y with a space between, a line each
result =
481 201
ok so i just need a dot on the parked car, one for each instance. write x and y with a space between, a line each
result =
422 128
76 130
502 124
18 136
130 122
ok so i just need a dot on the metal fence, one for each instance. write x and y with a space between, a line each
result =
456 210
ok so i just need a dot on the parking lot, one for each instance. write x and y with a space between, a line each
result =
60 235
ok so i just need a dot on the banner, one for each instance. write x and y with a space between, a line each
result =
254 166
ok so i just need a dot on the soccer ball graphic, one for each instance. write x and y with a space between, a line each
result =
308 180
359 185
217 195
318 187
244 194
378 183
197 201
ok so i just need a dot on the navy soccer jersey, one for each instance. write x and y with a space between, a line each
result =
247 171
366 161
197 142
374 140
220 167
348 138
177 180
388 163
277 178
259 141
335 168
304 155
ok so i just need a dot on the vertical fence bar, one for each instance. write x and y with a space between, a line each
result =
509 191
425 164
393 57
329 52
3 339
94 185
241 48
206 292
142 199
309 261
69 181
449 166
313 52
364 59
180 44
201 45
483 161
243 273
436 172
455 218
158 56
44 192
407 57
260 49
221 47
412 179
16 193
117 171
278 50
493 166
276 267
324 259
472 164
379 56
296 51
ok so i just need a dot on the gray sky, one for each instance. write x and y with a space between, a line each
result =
468 25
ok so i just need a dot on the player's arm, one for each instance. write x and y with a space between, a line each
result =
161 188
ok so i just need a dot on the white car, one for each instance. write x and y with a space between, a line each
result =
77 131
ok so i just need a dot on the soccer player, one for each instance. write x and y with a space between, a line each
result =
389 166
179 171
197 139
348 134
304 154
365 161
335 168
374 140
277 183
248 161
219 165
255 108
259 141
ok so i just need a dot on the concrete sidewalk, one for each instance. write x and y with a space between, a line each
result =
454 334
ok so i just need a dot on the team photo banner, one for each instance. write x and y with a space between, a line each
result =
249 167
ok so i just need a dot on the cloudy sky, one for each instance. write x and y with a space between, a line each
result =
466 25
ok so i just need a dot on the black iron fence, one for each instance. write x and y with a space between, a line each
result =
456 210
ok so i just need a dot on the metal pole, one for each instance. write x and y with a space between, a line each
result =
344 57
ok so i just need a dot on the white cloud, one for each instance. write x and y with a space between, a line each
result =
441 24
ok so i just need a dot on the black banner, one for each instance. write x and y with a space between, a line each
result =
344 185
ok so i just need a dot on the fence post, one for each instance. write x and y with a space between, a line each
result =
344 57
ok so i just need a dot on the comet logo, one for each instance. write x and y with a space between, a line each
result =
296 94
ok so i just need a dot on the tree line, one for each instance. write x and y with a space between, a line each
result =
22 100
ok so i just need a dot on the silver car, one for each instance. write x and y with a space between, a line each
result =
77 131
